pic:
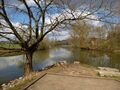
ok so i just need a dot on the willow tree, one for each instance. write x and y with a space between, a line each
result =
29 21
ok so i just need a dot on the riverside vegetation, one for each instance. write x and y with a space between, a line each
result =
85 36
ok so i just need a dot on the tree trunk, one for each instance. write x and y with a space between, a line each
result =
28 68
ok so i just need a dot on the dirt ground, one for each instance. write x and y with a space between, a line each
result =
74 77
78 70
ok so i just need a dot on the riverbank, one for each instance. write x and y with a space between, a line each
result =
99 49
61 68
10 52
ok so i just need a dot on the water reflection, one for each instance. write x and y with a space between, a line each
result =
6 62
97 59
49 57
12 67
8 68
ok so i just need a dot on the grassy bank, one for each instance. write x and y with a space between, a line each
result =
10 52
9 46
8 49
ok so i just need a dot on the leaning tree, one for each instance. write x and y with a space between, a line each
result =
27 22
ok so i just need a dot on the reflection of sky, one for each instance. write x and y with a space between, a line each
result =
10 73
6 62
40 60
59 53
55 55
9 68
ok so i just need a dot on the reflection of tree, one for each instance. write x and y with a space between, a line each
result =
115 58
96 58
21 63
114 38
37 57
95 54
40 55
79 54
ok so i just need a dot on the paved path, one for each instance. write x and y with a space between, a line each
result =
65 82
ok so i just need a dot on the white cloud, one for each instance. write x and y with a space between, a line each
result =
19 25
62 35
66 14
30 2
22 6
16 25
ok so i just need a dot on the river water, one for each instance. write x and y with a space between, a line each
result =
11 67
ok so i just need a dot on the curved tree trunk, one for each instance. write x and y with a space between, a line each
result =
28 68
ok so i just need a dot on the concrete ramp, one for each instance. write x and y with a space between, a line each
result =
64 82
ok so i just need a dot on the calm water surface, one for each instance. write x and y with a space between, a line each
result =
11 67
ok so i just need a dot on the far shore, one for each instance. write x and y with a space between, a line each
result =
12 52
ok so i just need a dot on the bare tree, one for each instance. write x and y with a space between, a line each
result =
114 38
40 17
79 34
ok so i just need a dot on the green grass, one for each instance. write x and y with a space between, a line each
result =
7 49
9 46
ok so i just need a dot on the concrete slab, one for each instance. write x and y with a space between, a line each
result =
64 82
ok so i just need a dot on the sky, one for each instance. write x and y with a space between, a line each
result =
54 12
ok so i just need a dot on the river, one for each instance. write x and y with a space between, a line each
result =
11 67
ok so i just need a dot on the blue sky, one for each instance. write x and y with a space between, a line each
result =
17 17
